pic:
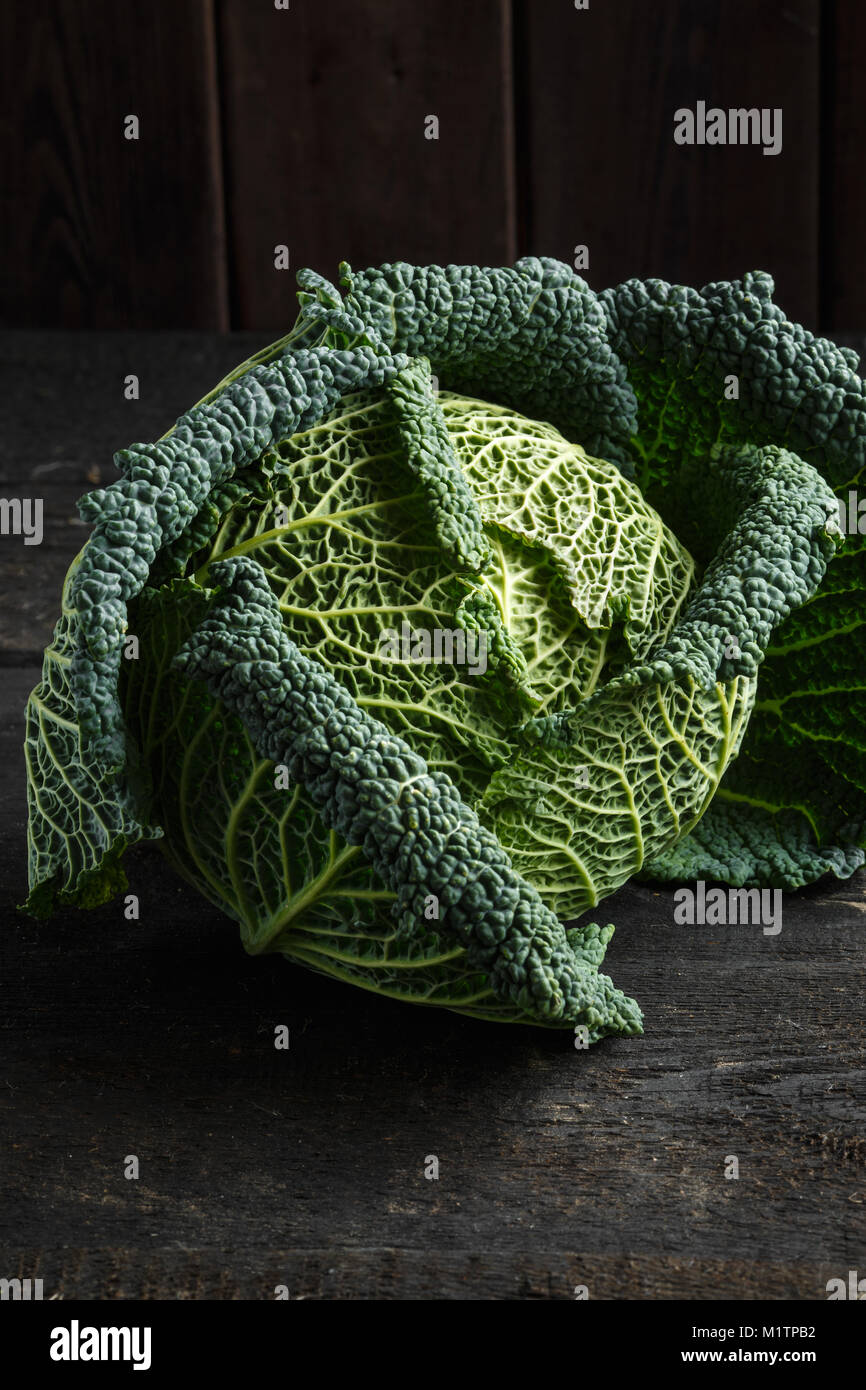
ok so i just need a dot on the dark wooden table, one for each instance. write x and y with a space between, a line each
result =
306 1167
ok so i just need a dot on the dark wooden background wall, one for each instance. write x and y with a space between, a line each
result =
306 127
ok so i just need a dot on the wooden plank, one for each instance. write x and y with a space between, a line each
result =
602 88
101 231
843 184
326 148
388 1273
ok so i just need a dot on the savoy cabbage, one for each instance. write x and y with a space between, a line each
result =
622 504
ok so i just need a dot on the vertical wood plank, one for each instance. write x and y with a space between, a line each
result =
602 87
99 231
844 166
324 116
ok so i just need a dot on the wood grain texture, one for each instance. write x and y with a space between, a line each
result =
389 1273
843 182
324 113
305 1167
600 164
98 230
556 129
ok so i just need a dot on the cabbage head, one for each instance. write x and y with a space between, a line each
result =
388 644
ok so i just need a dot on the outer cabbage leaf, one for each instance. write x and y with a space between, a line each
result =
724 365
84 790
665 730
373 790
